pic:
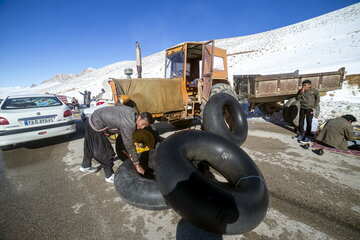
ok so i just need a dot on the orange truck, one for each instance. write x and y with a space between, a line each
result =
194 71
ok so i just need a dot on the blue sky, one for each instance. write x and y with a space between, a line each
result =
40 38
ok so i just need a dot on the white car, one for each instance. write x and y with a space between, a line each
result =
86 112
25 118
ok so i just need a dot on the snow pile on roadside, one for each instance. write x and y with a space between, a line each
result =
340 102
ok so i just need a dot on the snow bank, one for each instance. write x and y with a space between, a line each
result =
340 102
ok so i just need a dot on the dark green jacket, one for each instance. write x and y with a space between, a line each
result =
336 133
309 99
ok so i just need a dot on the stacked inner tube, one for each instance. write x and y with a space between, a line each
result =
185 182
137 190
234 207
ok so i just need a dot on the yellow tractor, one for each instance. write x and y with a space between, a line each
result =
194 71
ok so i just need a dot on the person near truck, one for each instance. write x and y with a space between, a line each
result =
75 104
337 132
100 95
88 99
84 96
103 122
309 104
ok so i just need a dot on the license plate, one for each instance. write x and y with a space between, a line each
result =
38 121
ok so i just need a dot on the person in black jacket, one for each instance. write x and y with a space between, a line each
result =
103 122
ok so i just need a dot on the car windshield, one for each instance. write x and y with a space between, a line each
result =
30 102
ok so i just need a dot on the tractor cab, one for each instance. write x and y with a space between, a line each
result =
197 63
191 69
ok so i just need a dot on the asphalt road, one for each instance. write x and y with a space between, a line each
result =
43 196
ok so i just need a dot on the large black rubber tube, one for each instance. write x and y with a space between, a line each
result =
137 190
237 208
293 114
286 113
214 118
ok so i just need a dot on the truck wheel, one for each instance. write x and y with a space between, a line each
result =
270 108
139 191
7 147
286 110
222 88
236 208
224 116
293 113
218 88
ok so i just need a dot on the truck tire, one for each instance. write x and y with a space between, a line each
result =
235 209
270 107
222 88
286 110
139 191
7 147
293 113
224 116
218 88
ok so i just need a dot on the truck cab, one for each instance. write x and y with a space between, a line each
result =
191 69
200 65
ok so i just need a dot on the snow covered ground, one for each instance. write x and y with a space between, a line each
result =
324 43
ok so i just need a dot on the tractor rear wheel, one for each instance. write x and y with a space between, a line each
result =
218 88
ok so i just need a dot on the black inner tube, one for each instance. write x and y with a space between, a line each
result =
235 208
139 191
224 116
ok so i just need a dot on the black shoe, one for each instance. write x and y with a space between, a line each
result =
305 146
318 151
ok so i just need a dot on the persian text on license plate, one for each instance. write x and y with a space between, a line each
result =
38 121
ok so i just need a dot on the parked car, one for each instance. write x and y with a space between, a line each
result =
26 118
86 112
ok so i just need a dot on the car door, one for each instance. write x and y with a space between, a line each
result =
207 68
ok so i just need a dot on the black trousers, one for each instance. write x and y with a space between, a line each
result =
308 114
98 146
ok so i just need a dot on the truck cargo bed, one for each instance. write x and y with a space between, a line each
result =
272 88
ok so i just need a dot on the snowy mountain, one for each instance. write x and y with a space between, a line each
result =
324 43
64 77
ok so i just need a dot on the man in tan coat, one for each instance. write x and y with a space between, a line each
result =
337 132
